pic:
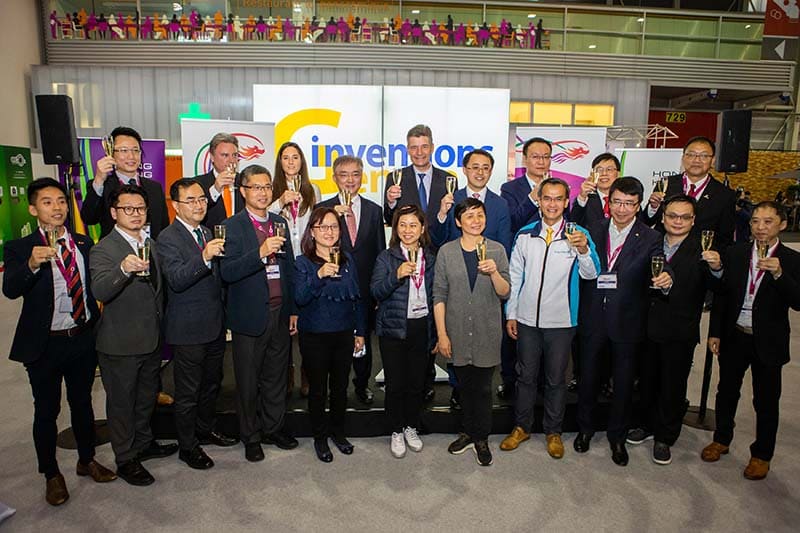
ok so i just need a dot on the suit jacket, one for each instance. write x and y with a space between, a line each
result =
216 213
194 313
770 307
242 269
498 222
132 305
715 210
370 241
590 213
522 211
97 209
676 316
410 195
620 313
33 328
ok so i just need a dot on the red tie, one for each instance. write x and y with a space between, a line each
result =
692 191
606 212
476 196
74 285
350 220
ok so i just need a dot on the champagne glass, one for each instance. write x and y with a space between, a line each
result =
656 266
547 175
397 176
762 248
219 233
451 183
297 182
570 228
707 239
143 253
280 231
52 236
413 254
334 256
347 197
593 178
480 249
108 145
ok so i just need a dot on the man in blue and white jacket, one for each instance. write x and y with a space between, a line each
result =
548 258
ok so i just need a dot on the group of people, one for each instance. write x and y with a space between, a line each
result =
482 280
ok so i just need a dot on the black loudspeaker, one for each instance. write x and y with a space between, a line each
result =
733 140
57 129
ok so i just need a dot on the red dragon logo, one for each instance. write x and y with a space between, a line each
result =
250 148
569 150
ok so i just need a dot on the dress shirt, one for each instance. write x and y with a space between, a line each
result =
61 300
618 236
98 188
745 318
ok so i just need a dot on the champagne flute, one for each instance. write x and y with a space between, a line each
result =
547 175
219 233
297 182
593 178
656 267
108 145
480 249
397 177
334 256
52 236
280 231
569 229
413 254
143 253
347 196
762 249
707 239
451 184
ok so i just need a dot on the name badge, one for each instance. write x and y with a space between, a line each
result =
607 280
273 272
419 308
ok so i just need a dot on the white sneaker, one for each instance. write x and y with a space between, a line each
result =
398 445
413 440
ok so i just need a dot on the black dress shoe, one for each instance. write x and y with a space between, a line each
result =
455 405
217 439
343 444
253 452
134 473
280 439
156 451
365 396
429 394
619 454
572 386
323 450
505 391
196 458
582 442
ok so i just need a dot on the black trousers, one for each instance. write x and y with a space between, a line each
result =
131 383
261 367
623 358
327 358
475 384
662 388
73 360
733 362
198 378
405 363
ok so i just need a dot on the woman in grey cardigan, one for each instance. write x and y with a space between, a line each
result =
466 297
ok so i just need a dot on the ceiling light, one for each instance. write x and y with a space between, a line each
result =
298 10
747 26
531 16
176 6
415 11
640 19
592 46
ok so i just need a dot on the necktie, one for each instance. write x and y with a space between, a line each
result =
198 235
350 220
548 237
132 181
227 199
476 196
606 212
692 191
423 194
74 285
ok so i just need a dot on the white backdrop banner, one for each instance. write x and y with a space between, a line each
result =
256 143
371 122
649 164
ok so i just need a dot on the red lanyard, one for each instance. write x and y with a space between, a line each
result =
756 275
260 226
66 270
613 256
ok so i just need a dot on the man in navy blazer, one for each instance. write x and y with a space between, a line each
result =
258 267
364 239
591 204
477 167
613 311
54 337
194 321
220 181
520 194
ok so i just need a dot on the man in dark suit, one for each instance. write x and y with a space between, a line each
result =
54 337
259 266
364 239
194 321
122 168
591 204
750 328
716 203
129 333
477 167
220 182
613 310
421 183
520 194
673 331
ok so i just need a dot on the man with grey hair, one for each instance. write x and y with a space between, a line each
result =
220 181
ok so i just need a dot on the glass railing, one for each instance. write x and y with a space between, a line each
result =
661 32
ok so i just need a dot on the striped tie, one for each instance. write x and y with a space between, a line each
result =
74 285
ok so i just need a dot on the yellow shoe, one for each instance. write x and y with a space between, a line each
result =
756 469
517 437
713 452
554 446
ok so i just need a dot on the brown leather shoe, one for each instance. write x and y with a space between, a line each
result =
164 399
290 381
96 471
756 469
517 437
303 382
713 452
554 446
56 490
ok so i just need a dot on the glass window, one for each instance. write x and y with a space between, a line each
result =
739 51
373 12
612 22
679 48
681 26
552 113
594 115
552 19
520 112
741 29
466 13
607 44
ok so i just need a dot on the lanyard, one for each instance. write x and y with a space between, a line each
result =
260 226
66 270
613 256
698 189
756 275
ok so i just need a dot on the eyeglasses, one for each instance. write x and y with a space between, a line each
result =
537 157
194 201
552 199
673 217
131 209
324 228
605 170
485 169
126 151
355 174
258 188
695 155
624 203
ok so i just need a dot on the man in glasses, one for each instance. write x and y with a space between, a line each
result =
520 194
613 310
113 171
716 203
220 181
364 239
194 321
258 267
129 333
592 202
